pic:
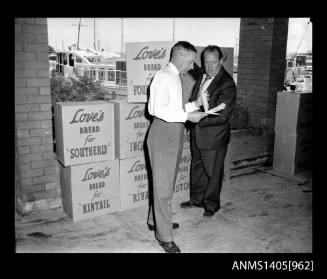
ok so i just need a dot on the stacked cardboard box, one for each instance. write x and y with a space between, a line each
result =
84 132
131 126
135 175
182 185
90 190
85 147
293 132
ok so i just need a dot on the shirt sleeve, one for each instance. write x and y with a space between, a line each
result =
159 101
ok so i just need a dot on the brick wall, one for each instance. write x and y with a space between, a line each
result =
36 168
261 67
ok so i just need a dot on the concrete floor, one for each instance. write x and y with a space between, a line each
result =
262 212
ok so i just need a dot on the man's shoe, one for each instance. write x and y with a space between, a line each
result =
175 226
170 247
208 213
190 204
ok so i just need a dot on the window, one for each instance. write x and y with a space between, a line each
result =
93 74
71 60
78 59
121 72
300 60
124 78
101 74
65 58
121 65
111 75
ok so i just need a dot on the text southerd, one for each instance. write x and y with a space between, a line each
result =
88 151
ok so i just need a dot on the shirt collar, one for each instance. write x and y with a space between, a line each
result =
205 76
173 67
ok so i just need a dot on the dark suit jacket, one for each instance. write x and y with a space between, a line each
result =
214 130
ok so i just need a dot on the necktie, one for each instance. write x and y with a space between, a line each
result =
204 99
202 84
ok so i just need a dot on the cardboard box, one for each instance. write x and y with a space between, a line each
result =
90 190
84 132
130 128
187 138
182 185
293 111
293 152
134 179
144 59
133 183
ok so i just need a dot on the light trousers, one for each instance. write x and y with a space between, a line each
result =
165 145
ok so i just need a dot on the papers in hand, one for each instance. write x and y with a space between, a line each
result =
216 109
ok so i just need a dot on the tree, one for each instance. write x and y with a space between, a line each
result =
81 88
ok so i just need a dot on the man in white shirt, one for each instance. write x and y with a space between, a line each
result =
165 138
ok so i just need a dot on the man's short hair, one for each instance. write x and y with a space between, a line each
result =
182 45
211 48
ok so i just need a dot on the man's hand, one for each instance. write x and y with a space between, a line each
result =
196 116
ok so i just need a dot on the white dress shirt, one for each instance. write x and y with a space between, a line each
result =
166 98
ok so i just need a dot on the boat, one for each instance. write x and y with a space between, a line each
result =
298 72
107 67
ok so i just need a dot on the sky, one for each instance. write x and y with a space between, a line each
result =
199 31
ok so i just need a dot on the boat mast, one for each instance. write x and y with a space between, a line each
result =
94 35
302 38
173 29
122 37
79 28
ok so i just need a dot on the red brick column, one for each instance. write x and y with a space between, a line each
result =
261 67
37 176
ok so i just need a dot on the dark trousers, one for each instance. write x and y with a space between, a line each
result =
207 172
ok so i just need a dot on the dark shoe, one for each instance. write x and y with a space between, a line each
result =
170 247
208 213
190 204
151 227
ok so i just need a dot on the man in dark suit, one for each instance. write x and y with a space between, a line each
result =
210 136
